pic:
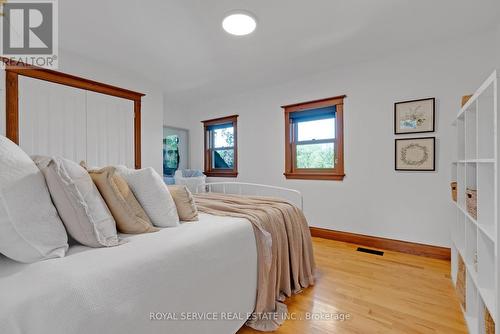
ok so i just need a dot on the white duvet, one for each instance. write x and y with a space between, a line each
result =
206 269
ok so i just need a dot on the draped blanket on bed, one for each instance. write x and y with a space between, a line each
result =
284 250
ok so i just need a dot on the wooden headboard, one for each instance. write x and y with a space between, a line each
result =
14 70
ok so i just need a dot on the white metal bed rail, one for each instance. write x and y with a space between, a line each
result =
253 189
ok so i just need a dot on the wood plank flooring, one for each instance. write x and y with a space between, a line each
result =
395 293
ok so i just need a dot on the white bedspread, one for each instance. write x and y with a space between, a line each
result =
207 266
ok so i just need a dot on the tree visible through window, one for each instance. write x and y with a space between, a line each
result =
314 140
316 143
223 150
221 147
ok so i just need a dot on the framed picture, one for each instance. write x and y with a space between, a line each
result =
416 116
415 154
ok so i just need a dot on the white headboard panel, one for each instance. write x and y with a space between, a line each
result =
110 134
52 119
76 124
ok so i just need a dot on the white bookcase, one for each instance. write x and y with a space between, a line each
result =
476 240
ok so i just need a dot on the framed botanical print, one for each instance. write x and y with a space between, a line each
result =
416 116
415 154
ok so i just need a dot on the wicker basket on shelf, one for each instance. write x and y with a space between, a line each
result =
489 324
454 191
465 98
461 281
471 202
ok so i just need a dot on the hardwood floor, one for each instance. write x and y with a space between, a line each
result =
394 293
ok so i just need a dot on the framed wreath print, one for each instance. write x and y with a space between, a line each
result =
416 154
416 116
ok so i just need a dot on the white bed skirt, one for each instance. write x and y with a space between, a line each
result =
203 269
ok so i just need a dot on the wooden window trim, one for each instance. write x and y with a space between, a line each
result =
335 174
15 69
208 170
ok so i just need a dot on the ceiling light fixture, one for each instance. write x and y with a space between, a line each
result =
239 23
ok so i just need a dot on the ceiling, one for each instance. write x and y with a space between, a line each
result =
180 44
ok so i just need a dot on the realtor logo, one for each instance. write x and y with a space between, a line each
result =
29 32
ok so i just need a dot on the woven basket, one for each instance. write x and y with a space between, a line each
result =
471 202
465 98
489 324
454 191
461 281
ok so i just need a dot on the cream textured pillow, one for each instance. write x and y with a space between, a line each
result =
184 201
150 190
81 207
30 228
129 215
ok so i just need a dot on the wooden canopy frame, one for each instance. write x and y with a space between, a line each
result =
14 69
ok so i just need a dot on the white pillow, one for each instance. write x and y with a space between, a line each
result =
150 190
79 203
30 228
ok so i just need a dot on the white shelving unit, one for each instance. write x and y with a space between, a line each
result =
476 240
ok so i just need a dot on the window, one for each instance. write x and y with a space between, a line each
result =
314 139
221 149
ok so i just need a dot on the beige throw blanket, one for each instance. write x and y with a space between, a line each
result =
284 250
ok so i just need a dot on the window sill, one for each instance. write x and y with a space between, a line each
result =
221 174
315 176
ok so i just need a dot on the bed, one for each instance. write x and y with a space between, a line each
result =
208 266
200 277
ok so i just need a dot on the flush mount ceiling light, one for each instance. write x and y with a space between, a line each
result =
239 23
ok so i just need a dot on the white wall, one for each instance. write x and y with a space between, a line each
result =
497 43
152 103
373 199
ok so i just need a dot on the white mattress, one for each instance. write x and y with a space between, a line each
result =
208 266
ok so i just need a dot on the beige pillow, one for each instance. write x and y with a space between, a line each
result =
184 201
129 215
